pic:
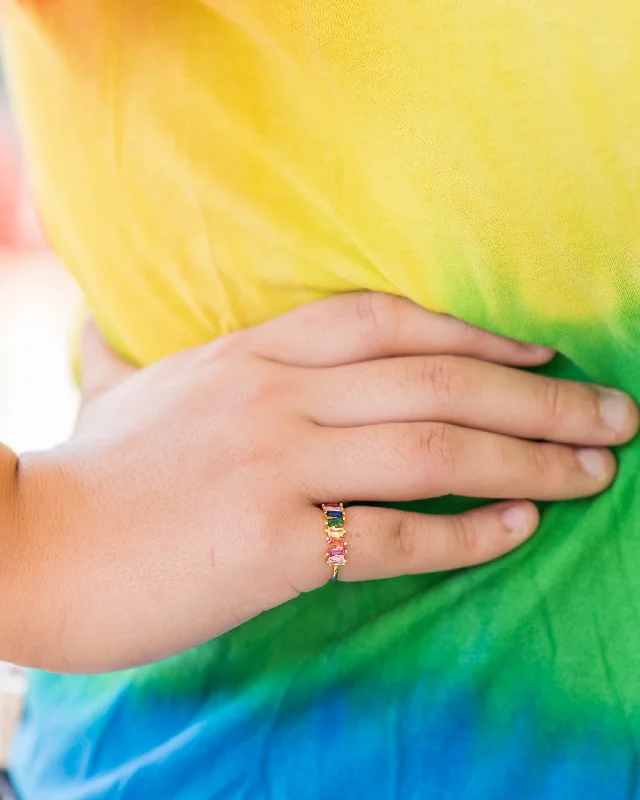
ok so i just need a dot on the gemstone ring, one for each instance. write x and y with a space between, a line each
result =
334 521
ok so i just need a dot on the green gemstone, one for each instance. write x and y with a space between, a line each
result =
335 522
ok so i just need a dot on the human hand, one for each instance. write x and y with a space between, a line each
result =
187 500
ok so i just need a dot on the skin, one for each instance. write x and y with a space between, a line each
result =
186 502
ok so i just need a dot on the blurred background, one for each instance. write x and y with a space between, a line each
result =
38 303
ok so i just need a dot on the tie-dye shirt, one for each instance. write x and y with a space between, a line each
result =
202 165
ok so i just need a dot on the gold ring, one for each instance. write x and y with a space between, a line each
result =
334 521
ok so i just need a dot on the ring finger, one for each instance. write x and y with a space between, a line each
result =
384 543
387 543
410 461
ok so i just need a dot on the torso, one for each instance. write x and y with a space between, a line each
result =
202 166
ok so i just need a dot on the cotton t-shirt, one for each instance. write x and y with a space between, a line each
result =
204 165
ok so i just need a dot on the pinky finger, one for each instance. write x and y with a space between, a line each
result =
385 543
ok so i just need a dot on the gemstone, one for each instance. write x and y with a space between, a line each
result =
337 560
332 507
333 513
335 522
338 536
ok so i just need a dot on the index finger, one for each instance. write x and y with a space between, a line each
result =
361 326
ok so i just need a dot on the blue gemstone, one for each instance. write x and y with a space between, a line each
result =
334 513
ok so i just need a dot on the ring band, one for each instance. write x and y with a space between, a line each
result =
334 521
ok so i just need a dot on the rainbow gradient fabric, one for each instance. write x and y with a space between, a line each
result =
202 165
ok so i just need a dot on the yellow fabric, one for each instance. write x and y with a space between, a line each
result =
202 166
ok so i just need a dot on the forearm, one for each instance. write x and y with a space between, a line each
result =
34 544
41 578
90 589
96 566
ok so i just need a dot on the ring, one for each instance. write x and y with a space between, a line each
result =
334 520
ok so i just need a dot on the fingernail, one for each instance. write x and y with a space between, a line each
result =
594 462
517 519
540 349
616 410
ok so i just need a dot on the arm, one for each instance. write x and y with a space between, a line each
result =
186 502
13 570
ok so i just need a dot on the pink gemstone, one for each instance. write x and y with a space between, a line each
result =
332 507
335 556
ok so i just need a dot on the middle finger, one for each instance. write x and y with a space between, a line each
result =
472 393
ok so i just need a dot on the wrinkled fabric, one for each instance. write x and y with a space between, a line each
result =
203 166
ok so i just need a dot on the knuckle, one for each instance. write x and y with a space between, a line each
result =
538 459
466 537
545 460
440 445
404 537
264 391
553 404
262 451
443 378
592 404
378 315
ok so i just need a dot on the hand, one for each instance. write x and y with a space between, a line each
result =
187 500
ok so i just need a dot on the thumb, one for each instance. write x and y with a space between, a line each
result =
100 366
